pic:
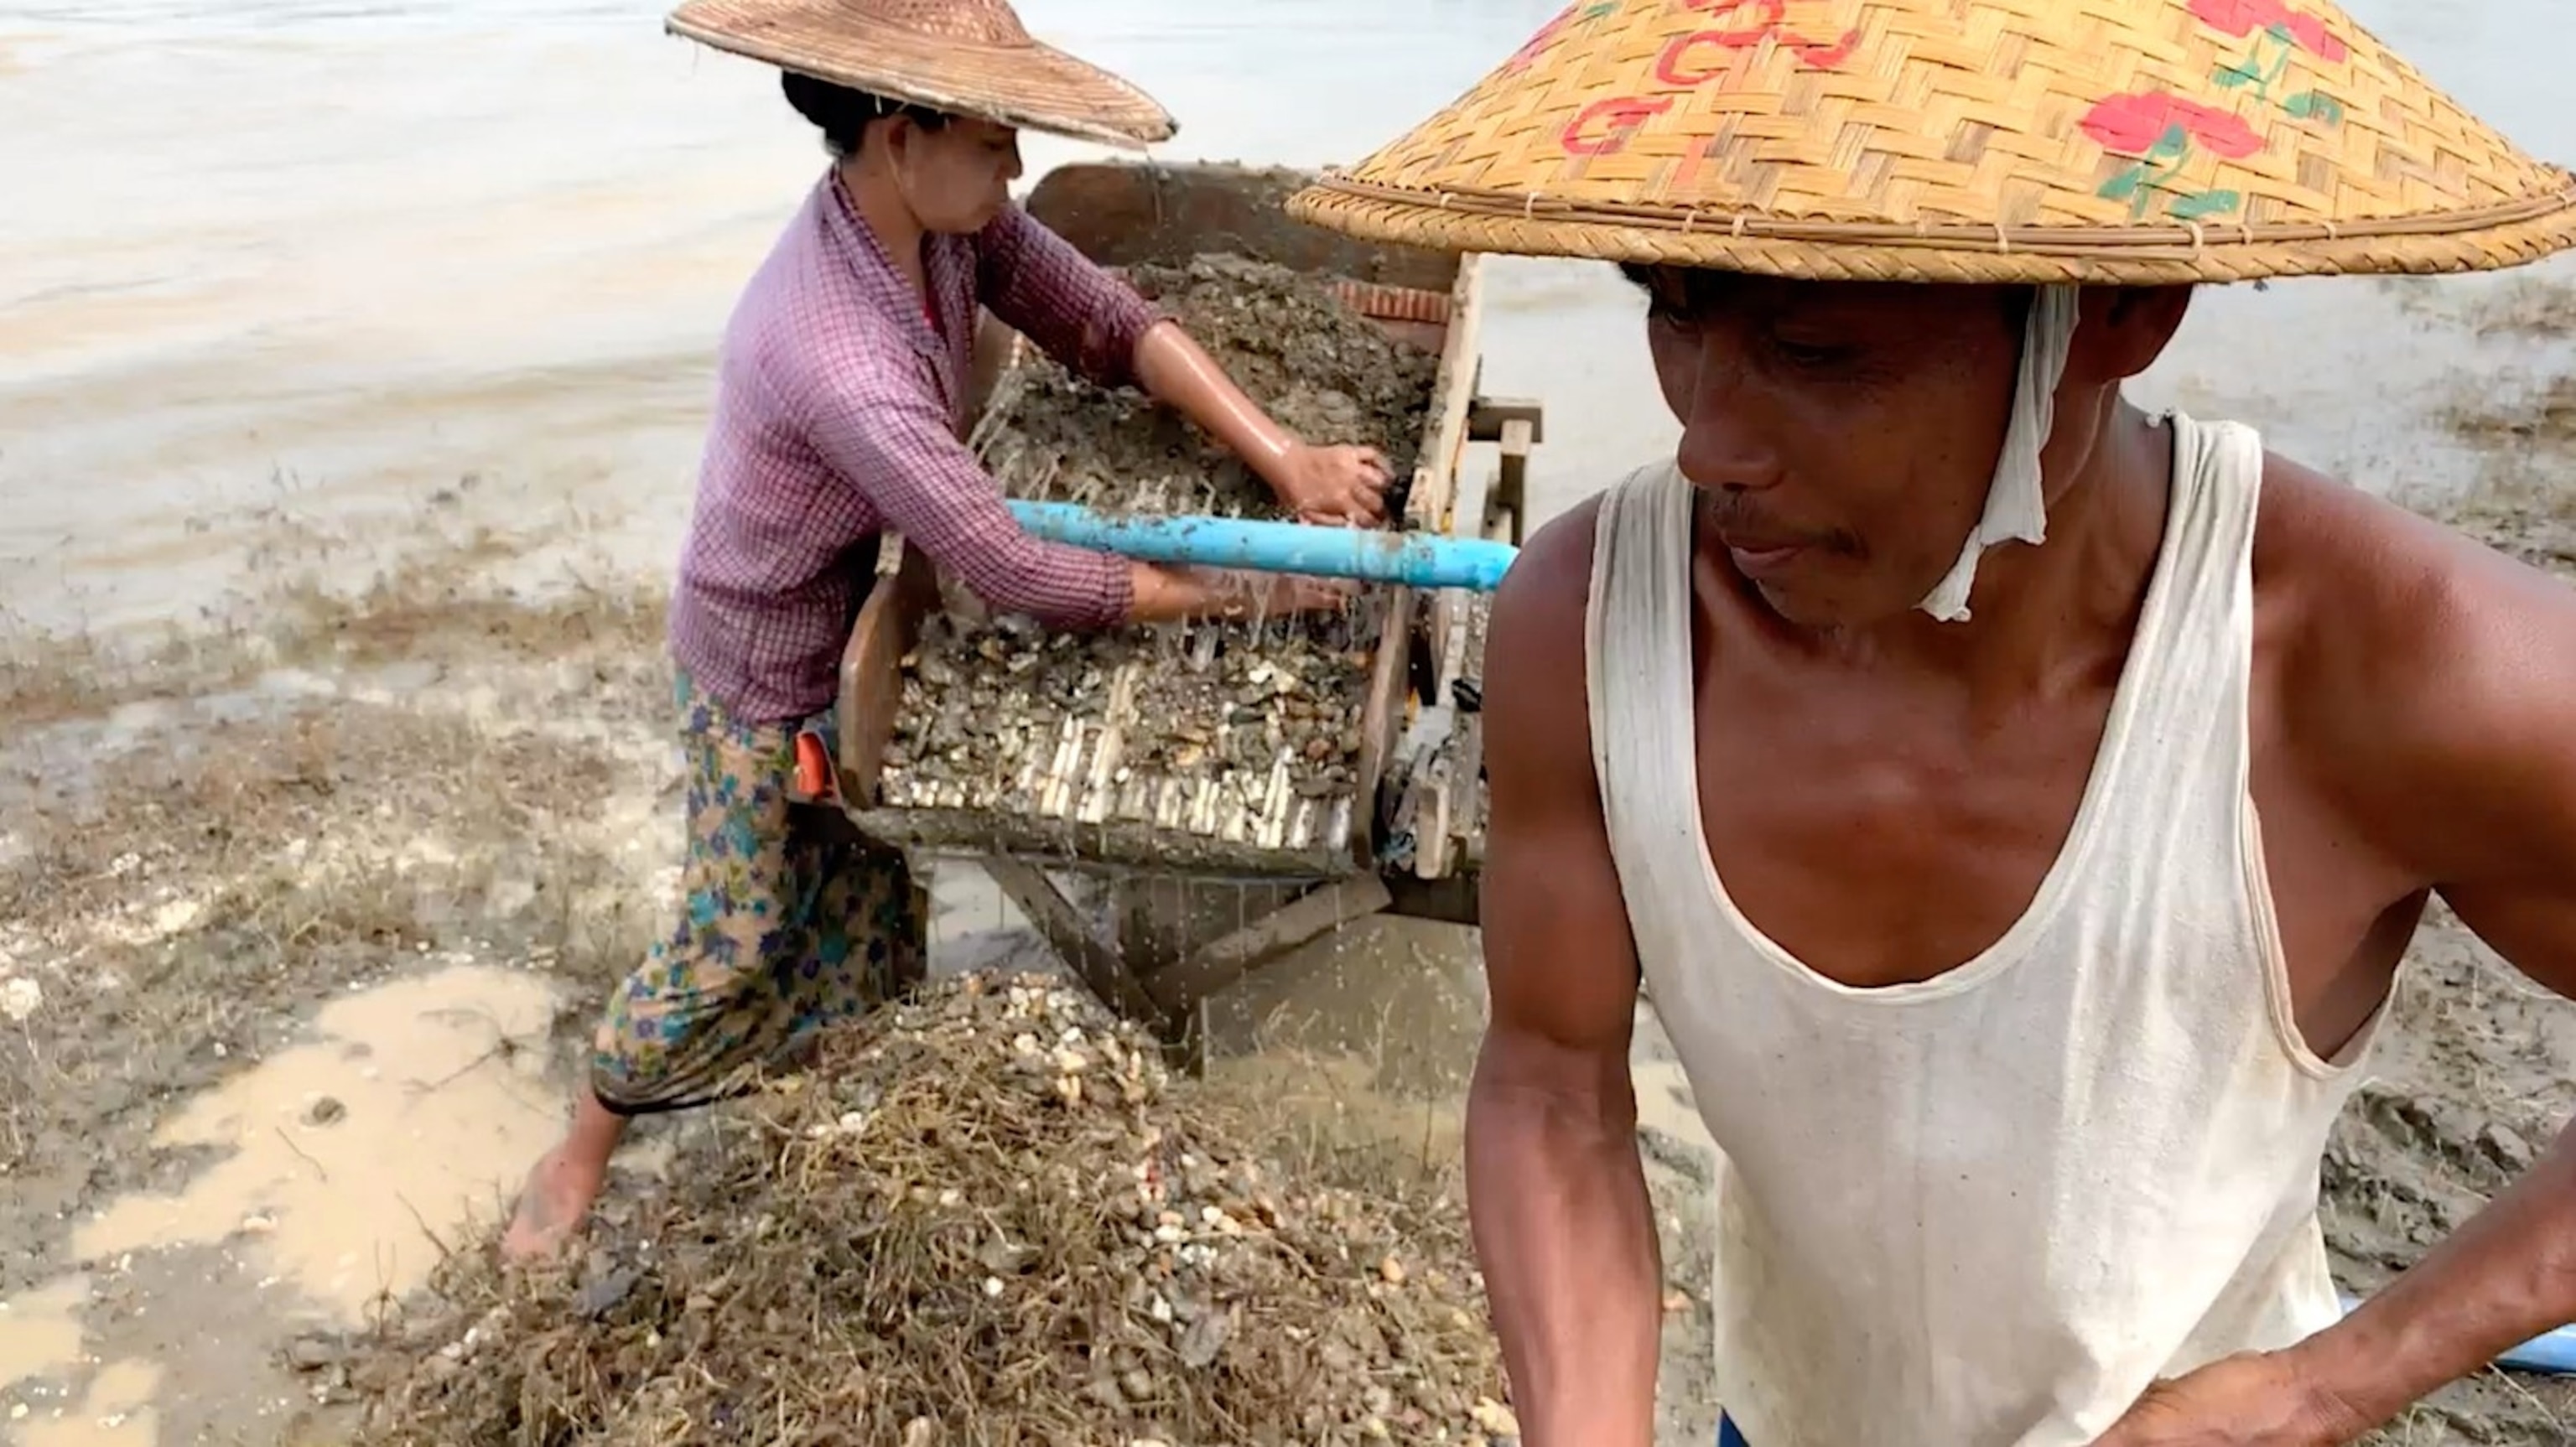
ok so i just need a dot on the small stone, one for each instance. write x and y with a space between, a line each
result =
602 1294
325 1111
1496 1420
1139 1384
2508 1149
311 1353
1392 1270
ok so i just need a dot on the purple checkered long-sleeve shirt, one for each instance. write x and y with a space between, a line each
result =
839 403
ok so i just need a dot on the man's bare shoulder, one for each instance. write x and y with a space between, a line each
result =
1543 598
2353 578
2412 663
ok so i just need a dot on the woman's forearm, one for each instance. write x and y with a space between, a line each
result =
1179 373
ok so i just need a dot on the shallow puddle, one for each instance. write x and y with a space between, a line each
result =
116 1411
412 1114
40 1332
344 1167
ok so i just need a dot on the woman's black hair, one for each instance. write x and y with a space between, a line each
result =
843 114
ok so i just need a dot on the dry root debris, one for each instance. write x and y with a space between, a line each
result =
988 1216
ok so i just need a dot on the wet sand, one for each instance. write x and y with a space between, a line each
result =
385 842
302 925
306 989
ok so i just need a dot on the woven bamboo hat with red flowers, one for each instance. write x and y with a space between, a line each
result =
964 57
2029 141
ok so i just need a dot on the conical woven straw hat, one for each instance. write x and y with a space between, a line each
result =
964 57
2134 141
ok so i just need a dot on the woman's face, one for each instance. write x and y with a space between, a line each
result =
956 178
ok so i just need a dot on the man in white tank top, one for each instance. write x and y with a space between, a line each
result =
2016 805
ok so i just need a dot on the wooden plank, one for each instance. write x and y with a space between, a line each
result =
1221 962
1435 471
1486 419
1455 786
1381 715
1062 925
995 344
1508 504
872 665
1122 213
1451 608
1456 900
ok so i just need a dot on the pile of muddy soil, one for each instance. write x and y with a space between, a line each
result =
1327 373
1209 719
2546 416
988 1216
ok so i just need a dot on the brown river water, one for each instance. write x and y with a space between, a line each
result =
327 254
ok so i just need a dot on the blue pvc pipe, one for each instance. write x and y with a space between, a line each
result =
1372 555
2552 1353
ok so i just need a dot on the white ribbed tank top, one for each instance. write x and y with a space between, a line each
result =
1989 1209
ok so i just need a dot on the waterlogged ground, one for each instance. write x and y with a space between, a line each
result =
303 914
345 461
307 913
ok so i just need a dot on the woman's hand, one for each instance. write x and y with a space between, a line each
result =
1273 594
1319 484
1334 484
1164 592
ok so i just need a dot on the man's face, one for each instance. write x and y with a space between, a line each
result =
1845 433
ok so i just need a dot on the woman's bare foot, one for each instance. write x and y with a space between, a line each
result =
563 1185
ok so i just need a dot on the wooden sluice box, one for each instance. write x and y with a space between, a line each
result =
1195 876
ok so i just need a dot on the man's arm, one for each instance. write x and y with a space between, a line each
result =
2455 702
1557 1195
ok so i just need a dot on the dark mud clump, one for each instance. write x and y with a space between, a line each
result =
2546 416
1326 372
987 1217
1208 727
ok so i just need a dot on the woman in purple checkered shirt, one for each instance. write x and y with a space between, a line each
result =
843 391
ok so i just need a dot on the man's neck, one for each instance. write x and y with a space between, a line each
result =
2038 612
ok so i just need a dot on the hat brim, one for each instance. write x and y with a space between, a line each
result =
2504 236
1035 87
2021 141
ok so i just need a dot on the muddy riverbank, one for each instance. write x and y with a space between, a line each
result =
305 918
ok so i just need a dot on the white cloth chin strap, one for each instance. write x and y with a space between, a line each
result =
2015 507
